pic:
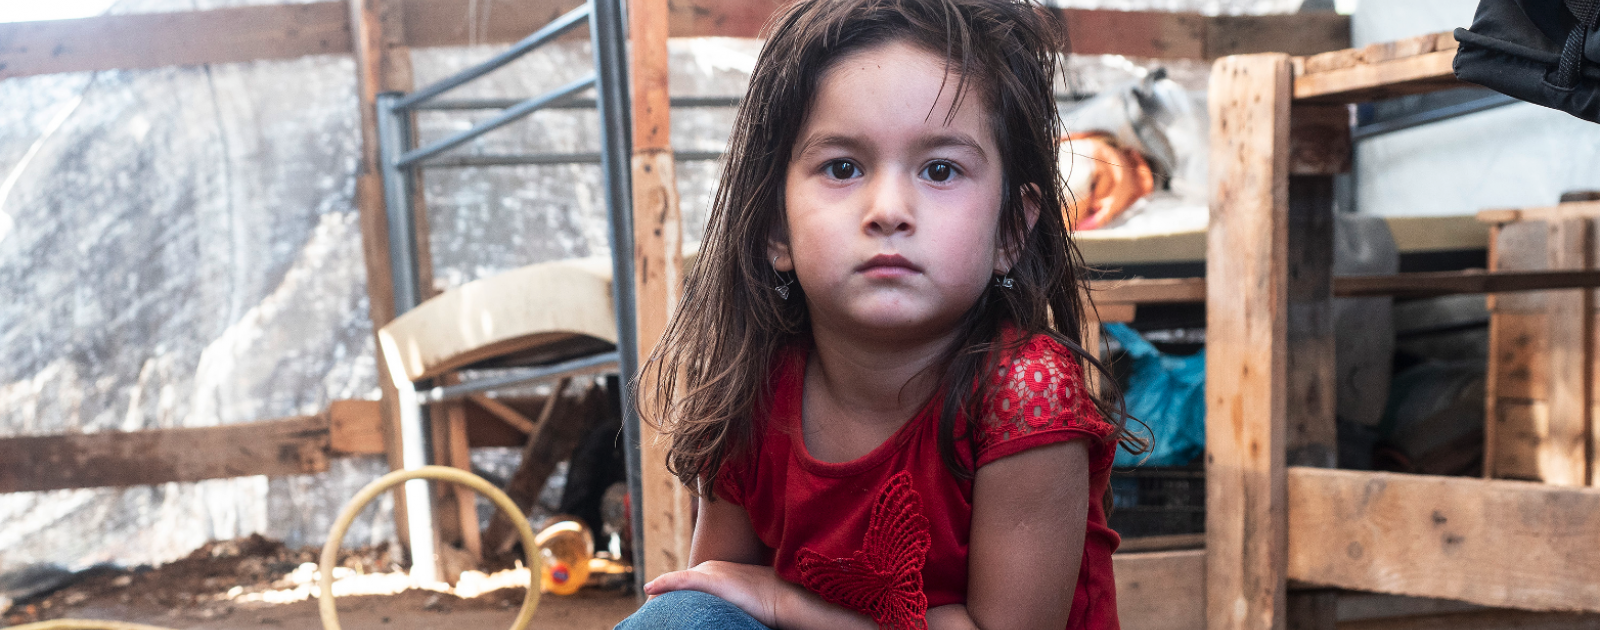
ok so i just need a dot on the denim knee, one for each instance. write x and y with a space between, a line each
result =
689 610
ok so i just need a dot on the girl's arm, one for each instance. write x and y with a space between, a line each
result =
1029 513
726 560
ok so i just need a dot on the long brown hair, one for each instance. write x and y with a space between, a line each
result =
710 374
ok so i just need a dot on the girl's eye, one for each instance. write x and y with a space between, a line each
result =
939 171
842 169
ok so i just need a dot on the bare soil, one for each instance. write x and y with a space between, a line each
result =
209 590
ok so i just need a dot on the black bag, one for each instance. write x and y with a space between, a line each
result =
1545 52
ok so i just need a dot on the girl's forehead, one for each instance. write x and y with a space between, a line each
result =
895 87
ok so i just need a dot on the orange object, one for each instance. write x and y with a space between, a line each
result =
1103 179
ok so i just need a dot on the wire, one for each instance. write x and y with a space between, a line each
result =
330 550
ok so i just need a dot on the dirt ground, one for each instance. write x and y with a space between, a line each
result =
231 585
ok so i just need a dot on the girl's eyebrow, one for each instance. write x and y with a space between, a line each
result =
954 139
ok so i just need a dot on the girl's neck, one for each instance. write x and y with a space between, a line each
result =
873 381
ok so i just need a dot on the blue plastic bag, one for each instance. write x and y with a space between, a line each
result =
1167 393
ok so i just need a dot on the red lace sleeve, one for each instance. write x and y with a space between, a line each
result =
1037 397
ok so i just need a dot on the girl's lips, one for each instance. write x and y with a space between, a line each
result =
888 264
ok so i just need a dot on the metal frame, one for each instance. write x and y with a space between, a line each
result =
400 159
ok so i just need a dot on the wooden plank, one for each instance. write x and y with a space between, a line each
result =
1377 53
504 413
1409 285
1294 33
668 523
1563 459
1162 590
1312 383
1518 432
293 446
1520 356
1489 542
381 65
154 40
293 30
1590 209
1482 620
1170 542
1373 81
1247 343
355 427
561 425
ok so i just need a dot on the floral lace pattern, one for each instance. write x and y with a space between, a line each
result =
884 579
1040 388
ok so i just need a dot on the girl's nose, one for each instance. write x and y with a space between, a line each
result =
891 207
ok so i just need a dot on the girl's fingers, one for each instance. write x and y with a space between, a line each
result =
675 581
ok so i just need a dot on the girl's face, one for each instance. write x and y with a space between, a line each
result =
892 210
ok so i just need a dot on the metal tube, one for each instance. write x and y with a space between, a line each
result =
550 31
608 32
546 159
596 363
504 118
571 103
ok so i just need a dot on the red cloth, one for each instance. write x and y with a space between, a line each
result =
887 534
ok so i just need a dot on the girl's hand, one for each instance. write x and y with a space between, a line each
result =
753 588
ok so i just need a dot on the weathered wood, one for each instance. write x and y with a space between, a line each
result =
1563 459
355 427
658 279
1148 291
154 40
1516 438
1171 542
1373 81
381 65
504 413
1489 542
460 526
1376 53
1247 343
1407 285
1589 209
1163 590
1482 620
293 446
293 30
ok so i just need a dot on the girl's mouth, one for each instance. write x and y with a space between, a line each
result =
888 266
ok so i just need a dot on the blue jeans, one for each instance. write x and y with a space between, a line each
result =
689 610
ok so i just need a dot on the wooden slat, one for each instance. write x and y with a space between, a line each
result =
1161 590
1489 542
658 279
1312 383
294 30
291 446
1246 343
1373 81
154 40
1589 209
504 413
1562 457
1482 620
355 427
561 424
1406 285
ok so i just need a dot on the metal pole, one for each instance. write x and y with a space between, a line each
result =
549 32
587 365
502 119
608 32
394 138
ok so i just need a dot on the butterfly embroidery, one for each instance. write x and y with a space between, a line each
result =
884 579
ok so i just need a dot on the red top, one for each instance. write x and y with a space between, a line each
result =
887 534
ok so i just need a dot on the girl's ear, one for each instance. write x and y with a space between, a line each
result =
778 255
1005 257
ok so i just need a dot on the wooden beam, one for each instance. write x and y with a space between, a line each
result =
1403 285
658 279
318 28
293 446
504 413
1482 620
1247 343
1589 209
1489 542
1563 457
1429 72
561 425
1161 590
154 40
355 427
1319 139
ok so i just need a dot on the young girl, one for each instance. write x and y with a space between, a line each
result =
875 381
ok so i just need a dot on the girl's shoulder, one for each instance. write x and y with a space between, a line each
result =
1037 394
